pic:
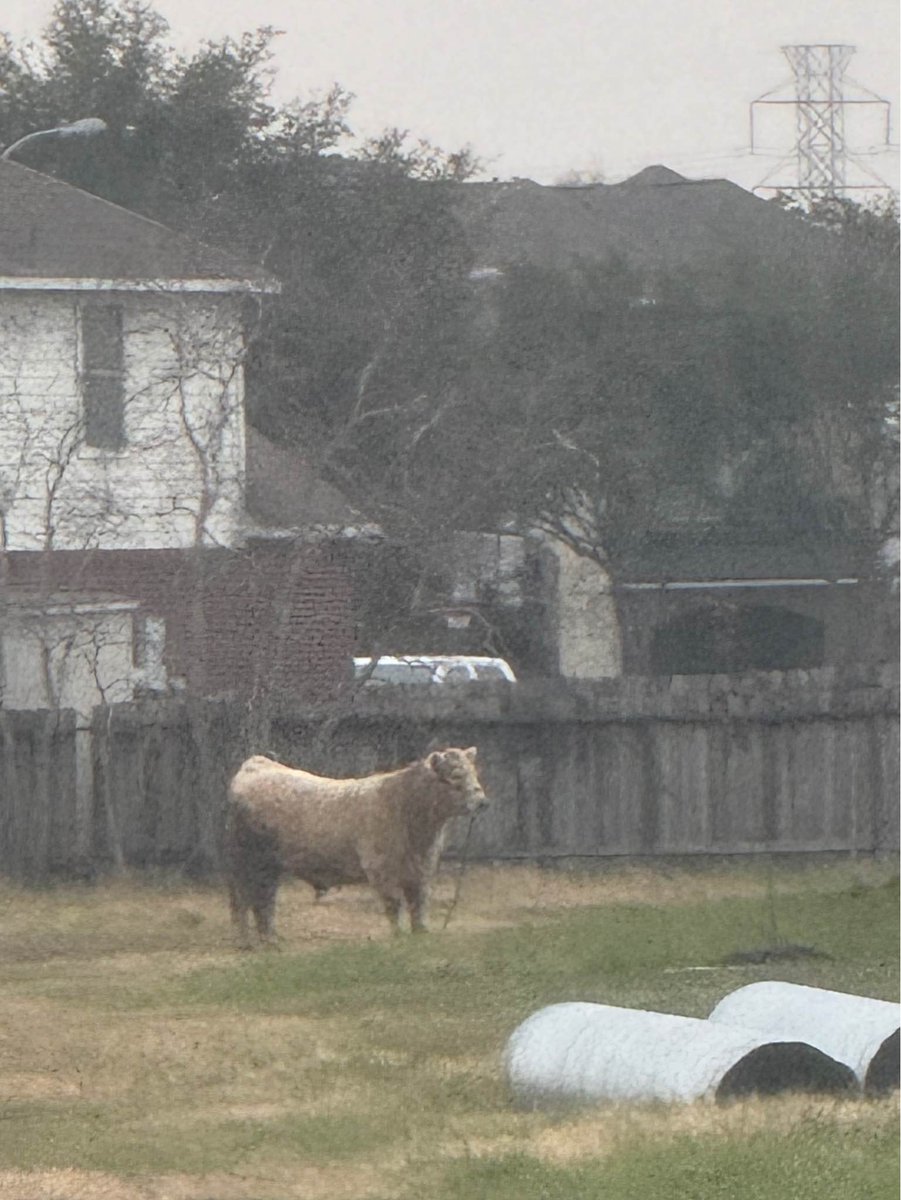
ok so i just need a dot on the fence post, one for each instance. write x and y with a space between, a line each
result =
84 788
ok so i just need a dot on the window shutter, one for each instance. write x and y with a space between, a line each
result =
103 375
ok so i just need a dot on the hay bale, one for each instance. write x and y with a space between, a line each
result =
855 1030
580 1051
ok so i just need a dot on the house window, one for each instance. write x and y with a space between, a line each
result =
103 375
148 647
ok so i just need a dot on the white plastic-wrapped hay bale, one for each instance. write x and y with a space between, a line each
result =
580 1051
855 1030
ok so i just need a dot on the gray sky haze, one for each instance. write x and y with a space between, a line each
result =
542 87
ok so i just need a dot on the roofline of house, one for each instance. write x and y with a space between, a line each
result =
688 585
61 606
30 283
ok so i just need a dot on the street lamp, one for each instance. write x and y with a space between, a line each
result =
87 127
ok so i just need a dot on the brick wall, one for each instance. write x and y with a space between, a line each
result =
275 617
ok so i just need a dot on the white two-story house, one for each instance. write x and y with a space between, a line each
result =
122 465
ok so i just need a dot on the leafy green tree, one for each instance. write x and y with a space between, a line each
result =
183 129
606 404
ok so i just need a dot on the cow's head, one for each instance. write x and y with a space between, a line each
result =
456 770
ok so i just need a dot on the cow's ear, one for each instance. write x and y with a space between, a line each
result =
435 759
471 753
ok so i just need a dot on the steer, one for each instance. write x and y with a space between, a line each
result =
386 830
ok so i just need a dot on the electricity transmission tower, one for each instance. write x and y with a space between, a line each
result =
821 101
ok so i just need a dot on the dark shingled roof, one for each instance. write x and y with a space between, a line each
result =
51 230
656 221
284 491
741 554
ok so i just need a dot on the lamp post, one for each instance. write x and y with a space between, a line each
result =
87 127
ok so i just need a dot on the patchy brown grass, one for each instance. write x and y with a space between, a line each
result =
304 1183
68 1184
505 894
112 1086
587 1136
123 921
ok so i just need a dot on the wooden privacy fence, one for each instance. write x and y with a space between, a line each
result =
37 793
783 761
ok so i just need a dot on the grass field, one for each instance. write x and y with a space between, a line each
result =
141 1056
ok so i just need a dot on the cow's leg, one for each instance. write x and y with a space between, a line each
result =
391 896
392 903
236 873
239 905
417 897
255 869
265 887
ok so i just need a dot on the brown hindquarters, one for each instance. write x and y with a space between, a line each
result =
252 870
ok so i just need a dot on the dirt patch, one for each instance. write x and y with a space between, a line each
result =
492 897
71 1185
598 1133
42 1050
295 1183
302 1183
119 921
221 1058
32 1085
508 892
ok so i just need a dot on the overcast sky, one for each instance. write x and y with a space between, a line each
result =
541 87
